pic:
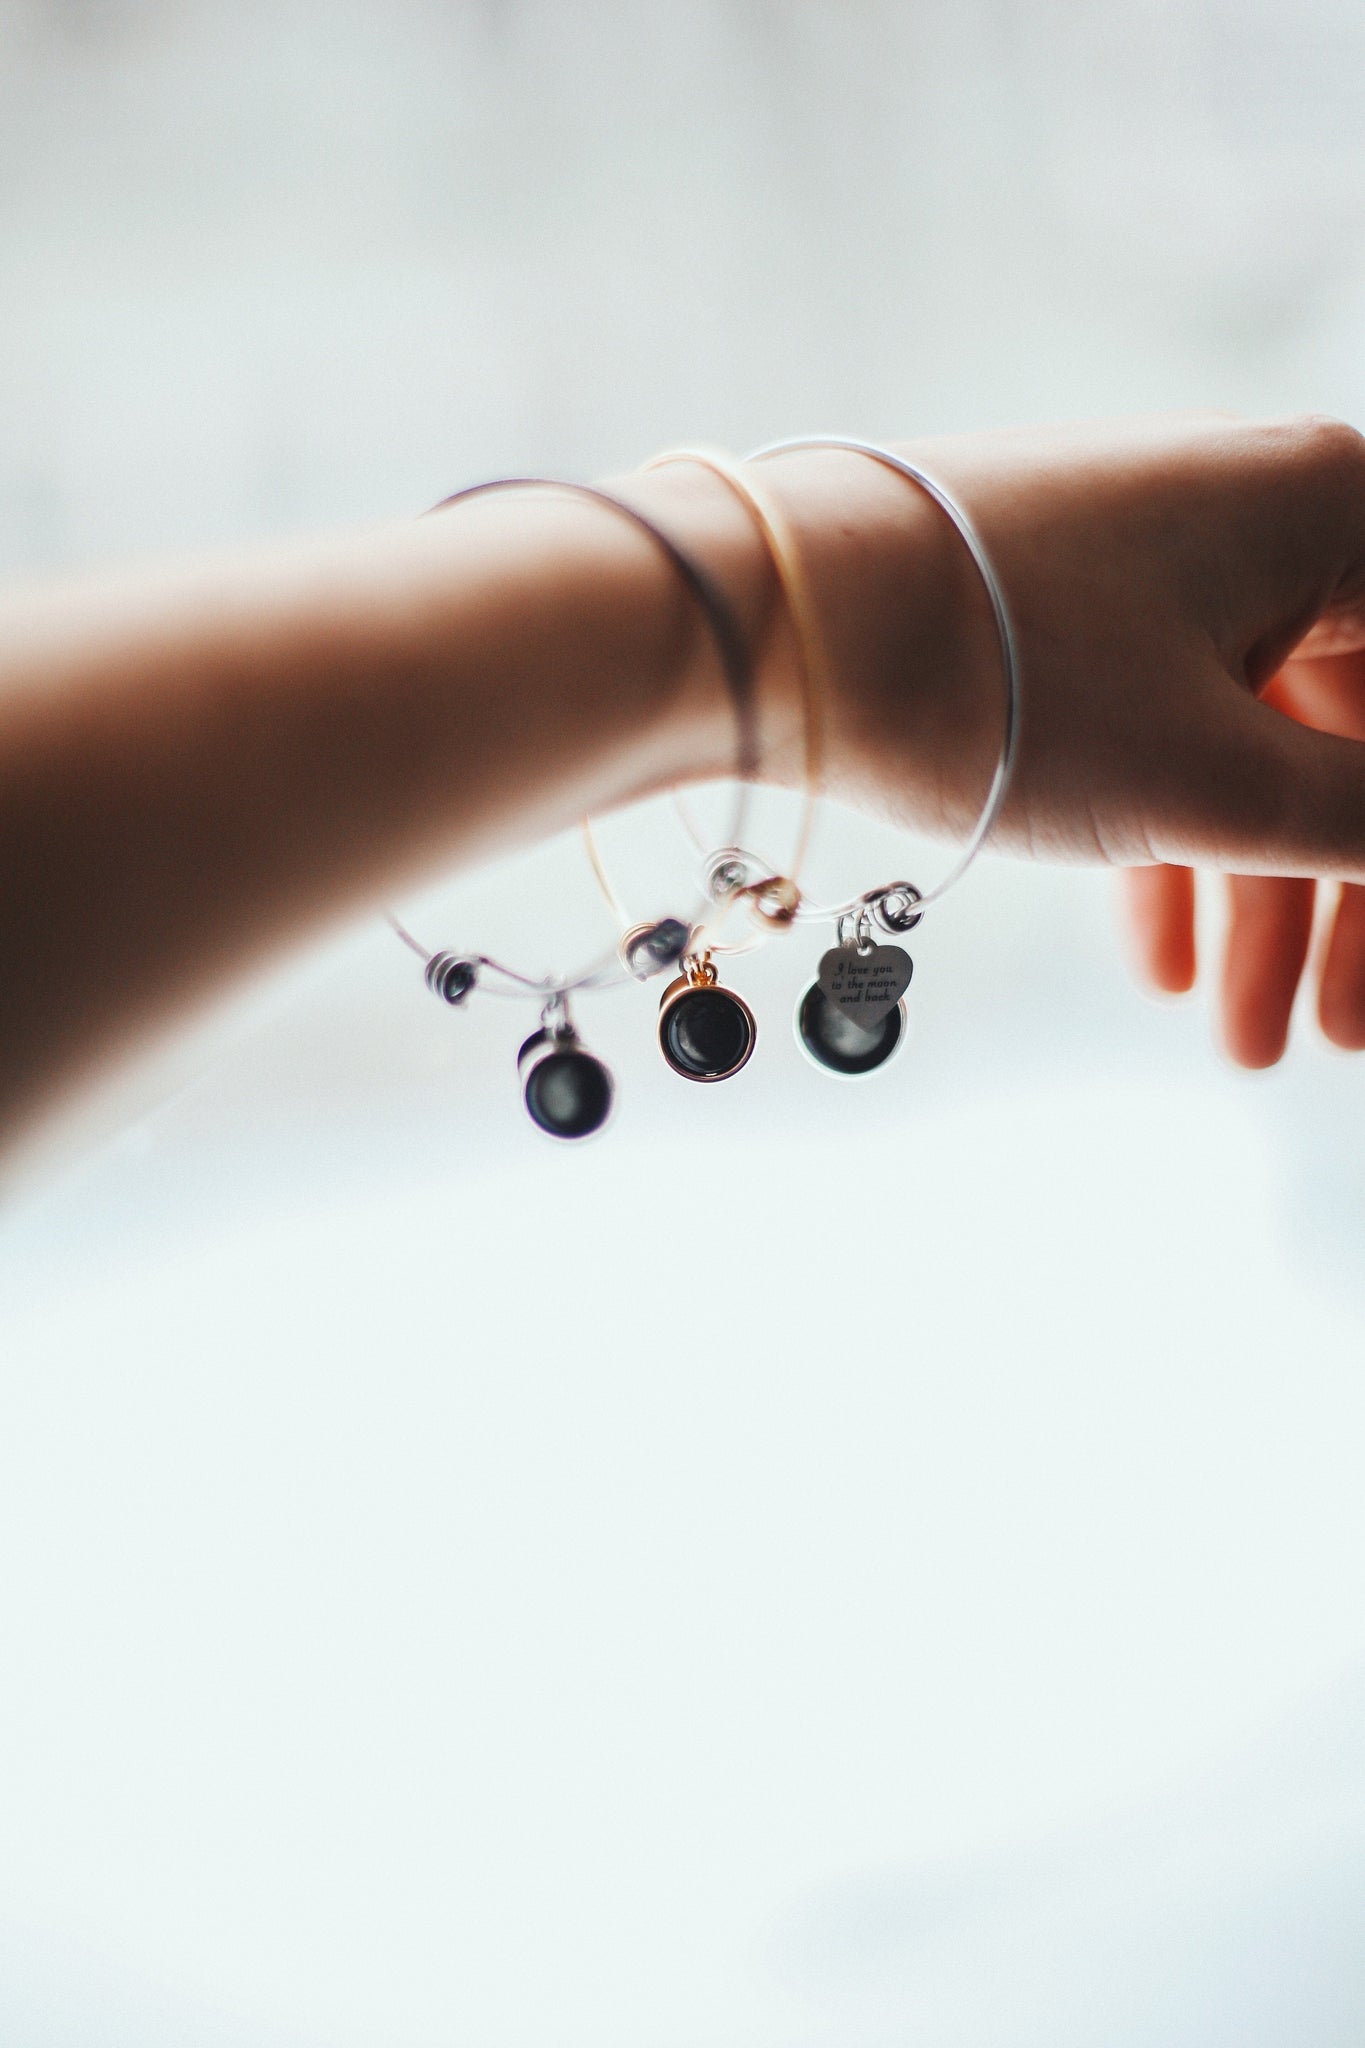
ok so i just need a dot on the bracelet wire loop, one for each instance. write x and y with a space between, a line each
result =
737 669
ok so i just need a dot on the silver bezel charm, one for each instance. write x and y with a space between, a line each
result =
706 1032
852 1019
567 1091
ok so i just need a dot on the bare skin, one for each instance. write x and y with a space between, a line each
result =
1267 944
198 765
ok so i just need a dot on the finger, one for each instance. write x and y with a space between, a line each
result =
1327 692
1341 991
1270 923
1159 907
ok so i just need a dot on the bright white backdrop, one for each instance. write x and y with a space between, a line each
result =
818 1566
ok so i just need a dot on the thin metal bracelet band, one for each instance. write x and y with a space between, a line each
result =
737 669
812 661
1009 658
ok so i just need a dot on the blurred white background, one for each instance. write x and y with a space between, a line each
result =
820 1566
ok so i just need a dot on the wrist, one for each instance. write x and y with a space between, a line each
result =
913 707
913 717
703 738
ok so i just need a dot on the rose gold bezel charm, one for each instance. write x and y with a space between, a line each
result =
706 1032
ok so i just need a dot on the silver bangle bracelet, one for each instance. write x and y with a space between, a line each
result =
1009 660
852 1018
568 1092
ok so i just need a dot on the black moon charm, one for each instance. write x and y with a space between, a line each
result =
852 1019
706 1033
568 1092
839 1045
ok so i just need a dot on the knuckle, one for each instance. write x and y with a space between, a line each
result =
1328 443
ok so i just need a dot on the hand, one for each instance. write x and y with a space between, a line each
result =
1270 919
1189 595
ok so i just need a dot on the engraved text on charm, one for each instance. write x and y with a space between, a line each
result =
866 984
852 1019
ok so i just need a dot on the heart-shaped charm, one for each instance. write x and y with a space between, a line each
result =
866 985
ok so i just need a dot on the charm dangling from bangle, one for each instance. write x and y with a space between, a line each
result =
706 1032
567 1090
852 1018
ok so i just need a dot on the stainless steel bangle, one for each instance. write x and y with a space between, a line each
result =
454 975
1009 659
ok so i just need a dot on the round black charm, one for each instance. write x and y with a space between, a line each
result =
568 1092
840 1046
706 1033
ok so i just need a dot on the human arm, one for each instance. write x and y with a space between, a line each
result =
198 765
